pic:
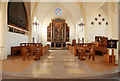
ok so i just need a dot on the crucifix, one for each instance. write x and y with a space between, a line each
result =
111 43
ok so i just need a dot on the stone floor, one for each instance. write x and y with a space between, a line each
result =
59 64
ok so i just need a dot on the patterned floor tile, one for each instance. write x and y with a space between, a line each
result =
75 71
42 71
71 64
69 60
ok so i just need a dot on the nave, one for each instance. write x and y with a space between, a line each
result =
57 64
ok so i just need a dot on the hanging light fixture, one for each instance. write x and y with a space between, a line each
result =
36 23
81 24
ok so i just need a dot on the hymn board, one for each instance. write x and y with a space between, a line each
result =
58 31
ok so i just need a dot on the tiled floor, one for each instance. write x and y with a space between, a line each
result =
61 64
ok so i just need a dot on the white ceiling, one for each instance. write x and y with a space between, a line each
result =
46 10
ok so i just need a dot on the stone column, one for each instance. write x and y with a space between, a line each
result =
3 30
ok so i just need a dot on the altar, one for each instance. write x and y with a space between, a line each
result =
58 44
58 33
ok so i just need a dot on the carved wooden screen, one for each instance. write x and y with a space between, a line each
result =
58 31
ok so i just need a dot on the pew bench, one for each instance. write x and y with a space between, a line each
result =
33 50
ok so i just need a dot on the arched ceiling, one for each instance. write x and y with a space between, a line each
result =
71 10
47 9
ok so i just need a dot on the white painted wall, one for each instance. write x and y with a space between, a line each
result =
108 11
15 39
115 29
96 29
92 12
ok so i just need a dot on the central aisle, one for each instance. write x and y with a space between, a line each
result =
58 64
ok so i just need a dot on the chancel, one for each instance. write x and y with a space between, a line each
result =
59 40
58 33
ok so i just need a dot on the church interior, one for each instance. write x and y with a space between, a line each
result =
59 40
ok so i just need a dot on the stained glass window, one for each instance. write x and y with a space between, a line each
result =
58 11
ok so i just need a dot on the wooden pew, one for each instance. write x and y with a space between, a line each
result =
100 44
72 49
85 46
45 48
15 50
33 46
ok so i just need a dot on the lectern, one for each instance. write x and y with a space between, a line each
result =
111 45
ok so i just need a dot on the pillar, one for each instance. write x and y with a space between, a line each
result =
3 30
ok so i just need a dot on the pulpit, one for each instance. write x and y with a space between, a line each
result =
111 45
